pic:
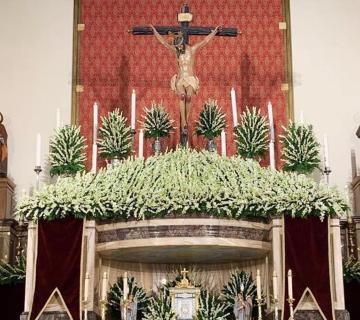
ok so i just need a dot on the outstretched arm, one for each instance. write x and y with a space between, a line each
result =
206 40
161 39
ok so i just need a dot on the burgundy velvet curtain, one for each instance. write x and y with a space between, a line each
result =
307 255
58 264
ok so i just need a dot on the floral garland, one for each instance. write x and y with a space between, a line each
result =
183 182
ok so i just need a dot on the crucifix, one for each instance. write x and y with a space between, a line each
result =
185 84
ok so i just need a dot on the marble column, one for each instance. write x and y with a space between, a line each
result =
336 265
277 254
30 265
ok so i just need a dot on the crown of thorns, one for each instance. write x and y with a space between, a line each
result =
178 38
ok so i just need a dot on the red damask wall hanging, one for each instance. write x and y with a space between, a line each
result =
112 62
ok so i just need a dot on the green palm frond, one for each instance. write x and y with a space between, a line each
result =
115 136
251 135
12 274
156 121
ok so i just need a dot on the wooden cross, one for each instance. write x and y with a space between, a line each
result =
184 18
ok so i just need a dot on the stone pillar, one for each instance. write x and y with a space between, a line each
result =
8 240
277 234
6 198
356 220
89 260
30 265
336 269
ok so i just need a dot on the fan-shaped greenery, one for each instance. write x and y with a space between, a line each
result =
300 148
116 294
12 274
251 135
181 182
115 136
211 307
352 270
67 151
157 122
160 307
211 120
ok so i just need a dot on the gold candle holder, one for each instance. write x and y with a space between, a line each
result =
291 303
260 302
103 308
84 303
275 301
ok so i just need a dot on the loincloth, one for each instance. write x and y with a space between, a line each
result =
184 81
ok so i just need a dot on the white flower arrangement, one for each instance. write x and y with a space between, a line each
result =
181 182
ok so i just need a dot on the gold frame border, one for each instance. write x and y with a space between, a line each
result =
289 99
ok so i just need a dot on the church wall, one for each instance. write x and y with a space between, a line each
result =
35 78
326 65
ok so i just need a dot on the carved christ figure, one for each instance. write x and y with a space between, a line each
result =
185 83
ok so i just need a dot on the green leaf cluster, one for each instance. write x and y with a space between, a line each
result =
160 307
13 274
183 182
351 270
67 151
115 136
300 148
211 120
211 307
157 122
251 135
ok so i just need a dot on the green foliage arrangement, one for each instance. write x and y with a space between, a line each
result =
183 182
116 294
251 135
352 270
238 281
300 148
115 136
160 307
211 307
67 151
12 274
157 122
211 120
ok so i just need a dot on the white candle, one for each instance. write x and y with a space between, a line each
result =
233 106
38 150
326 152
104 286
94 158
163 281
301 118
86 287
275 287
271 122
95 122
290 284
141 144
58 121
223 143
133 109
272 155
258 284
125 286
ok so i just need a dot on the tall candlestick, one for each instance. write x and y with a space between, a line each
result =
272 155
104 286
275 287
95 122
94 158
271 122
233 106
258 284
58 121
141 144
38 150
326 152
86 287
290 285
223 143
126 287
133 109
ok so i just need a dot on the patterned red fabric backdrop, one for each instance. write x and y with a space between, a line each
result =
112 62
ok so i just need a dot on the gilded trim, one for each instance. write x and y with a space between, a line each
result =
288 61
75 64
